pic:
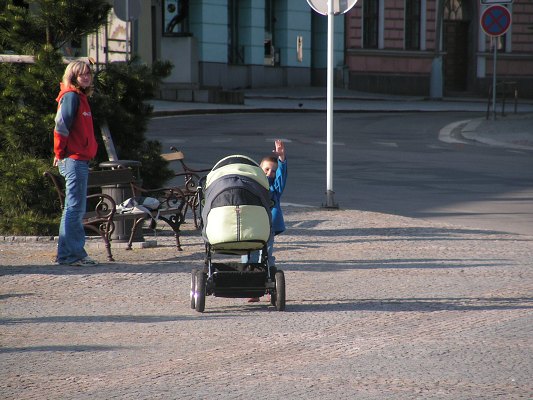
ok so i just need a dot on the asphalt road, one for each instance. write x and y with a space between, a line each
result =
384 162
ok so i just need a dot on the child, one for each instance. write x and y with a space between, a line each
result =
275 168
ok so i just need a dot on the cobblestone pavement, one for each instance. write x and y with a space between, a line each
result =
378 307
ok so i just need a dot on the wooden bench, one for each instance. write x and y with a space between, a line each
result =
103 213
191 180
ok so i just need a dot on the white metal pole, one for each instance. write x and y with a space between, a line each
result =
495 43
330 203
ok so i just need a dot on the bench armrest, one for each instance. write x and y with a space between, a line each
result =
191 180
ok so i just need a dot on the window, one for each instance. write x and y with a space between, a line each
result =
235 50
412 24
270 22
370 23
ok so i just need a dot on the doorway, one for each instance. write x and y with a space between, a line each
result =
456 41
456 58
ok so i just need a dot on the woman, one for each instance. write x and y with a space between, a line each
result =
74 146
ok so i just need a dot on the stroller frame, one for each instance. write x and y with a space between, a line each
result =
237 280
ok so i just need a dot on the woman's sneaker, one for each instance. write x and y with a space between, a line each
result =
85 262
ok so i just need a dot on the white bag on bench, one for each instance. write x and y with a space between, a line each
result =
138 204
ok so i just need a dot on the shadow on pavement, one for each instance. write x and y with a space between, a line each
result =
91 319
412 233
413 304
169 266
401 263
68 349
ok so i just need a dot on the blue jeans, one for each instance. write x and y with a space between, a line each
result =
71 232
255 256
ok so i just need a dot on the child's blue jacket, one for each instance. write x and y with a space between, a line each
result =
277 185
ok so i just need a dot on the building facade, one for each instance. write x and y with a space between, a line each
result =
227 44
417 47
421 47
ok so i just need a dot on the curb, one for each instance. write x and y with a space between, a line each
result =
42 239
206 111
468 131
473 131
91 242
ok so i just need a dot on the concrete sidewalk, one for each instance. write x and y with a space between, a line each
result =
511 131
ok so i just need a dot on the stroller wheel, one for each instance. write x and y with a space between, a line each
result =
193 288
277 298
200 291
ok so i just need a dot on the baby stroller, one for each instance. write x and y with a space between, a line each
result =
235 219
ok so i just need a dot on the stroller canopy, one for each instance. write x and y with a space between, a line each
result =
238 165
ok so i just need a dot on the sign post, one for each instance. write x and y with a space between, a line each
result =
330 8
495 21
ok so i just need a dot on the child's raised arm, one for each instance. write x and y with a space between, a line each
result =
279 150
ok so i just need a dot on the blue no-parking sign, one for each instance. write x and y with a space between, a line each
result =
495 20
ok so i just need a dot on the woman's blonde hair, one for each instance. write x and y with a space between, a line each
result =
73 70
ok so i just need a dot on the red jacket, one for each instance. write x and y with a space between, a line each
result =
74 133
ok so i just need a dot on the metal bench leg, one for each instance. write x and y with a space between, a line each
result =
104 232
136 224
195 216
174 222
107 244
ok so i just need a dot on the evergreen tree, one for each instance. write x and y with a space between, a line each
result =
41 28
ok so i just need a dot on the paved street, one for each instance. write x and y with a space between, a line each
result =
390 162
378 306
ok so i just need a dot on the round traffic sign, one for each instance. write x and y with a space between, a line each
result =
495 20
339 6
127 10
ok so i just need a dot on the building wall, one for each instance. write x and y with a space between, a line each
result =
142 28
201 57
522 26
203 54
391 68
209 25
293 19
394 15
252 31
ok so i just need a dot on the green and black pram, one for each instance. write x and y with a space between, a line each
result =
236 220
